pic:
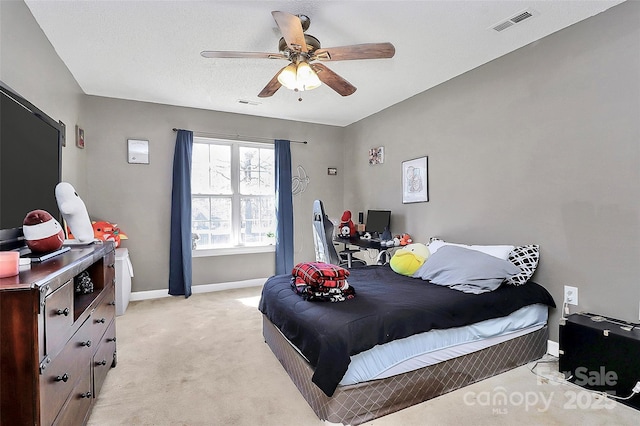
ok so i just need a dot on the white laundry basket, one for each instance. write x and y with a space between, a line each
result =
124 272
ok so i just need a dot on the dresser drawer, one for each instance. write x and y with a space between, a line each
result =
110 268
58 319
77 406
104 358
104 313
64 372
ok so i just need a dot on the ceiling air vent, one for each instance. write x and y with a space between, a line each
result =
516 19
521 17
503 26
246 102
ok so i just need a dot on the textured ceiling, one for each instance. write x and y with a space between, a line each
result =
150 50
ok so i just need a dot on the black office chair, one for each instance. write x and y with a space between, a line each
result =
323 239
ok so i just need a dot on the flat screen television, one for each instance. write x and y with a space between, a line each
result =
377 221
30 164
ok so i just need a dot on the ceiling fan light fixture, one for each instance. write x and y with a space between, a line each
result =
288 77
299 77
300 48
307 78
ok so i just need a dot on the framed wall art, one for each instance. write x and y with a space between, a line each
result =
137 151
376 155
79 137
415 180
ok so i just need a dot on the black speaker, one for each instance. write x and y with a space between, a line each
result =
360 217
601 354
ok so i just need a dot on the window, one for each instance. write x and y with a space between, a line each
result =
232 194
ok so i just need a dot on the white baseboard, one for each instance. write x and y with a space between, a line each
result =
553 348
204 288
146 295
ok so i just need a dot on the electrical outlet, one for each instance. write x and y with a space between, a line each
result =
571 295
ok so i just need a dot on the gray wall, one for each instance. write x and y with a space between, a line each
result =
539 146
138 197
30 66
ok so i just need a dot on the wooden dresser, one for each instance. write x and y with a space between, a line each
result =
57 344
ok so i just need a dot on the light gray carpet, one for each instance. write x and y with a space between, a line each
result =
203 361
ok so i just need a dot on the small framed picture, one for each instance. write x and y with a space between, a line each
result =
79 137
415 180
376 155
138 151
332 171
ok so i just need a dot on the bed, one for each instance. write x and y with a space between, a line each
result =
400 341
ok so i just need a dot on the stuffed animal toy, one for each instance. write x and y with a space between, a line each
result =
105 231
74 212
408 259
347 227
42 232
405 239
386 234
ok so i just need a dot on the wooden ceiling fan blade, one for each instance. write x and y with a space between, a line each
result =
233 54
291 29
356 51
333 80
272 86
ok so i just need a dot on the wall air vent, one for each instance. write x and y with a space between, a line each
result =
516 19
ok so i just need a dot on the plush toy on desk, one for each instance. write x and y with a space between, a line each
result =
42 232
74 212
347 227
405 239
408 259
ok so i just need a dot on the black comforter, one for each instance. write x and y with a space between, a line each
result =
387 306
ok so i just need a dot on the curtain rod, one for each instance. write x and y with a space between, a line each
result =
238 137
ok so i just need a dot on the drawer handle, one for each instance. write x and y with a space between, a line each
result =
86 395
100 321
87 343
64 312
103 362
111 266
62 378
112 339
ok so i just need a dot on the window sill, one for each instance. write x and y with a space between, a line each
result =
233 251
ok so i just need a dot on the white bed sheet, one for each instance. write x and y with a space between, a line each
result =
435 346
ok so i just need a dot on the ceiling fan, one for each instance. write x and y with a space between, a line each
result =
302 50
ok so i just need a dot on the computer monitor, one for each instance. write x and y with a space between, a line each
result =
377 221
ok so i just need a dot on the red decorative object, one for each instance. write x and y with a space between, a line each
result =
106 231
42 232
347 227
405 239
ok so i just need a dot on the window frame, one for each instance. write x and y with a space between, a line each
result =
237 247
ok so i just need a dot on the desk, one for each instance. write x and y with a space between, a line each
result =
361 243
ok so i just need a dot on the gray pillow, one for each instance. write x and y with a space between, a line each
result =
466 270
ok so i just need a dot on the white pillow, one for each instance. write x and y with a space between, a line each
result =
499 251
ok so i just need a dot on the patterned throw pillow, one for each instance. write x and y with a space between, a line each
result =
526 258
